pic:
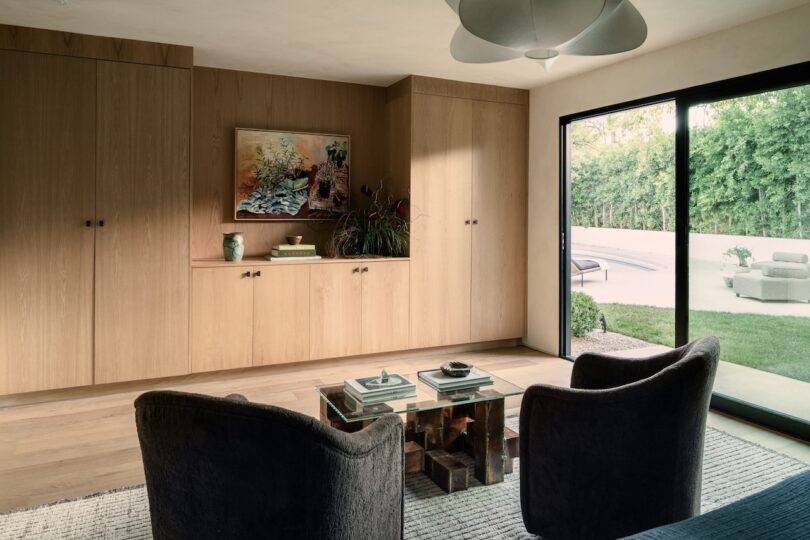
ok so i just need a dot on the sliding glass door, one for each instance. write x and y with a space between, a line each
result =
622 223
749 243
686 215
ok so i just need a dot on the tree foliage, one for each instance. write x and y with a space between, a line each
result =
749 167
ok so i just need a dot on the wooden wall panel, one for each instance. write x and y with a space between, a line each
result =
466 90
20 38
142 191
47 177
441 203
499 244
398 137
226 99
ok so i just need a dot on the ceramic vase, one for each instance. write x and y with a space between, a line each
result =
233 246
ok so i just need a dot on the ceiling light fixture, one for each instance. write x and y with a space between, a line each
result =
541 30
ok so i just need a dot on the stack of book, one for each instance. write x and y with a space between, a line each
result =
372 390
290 252
437 380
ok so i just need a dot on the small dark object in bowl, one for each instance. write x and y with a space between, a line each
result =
456 369
294 240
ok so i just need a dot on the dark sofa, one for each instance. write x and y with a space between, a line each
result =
781 512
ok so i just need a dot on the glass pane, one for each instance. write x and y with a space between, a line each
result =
749 278
622 189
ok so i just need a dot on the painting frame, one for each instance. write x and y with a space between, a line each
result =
252 195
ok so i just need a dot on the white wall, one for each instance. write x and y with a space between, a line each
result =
779 40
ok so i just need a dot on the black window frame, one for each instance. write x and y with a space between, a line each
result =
746 85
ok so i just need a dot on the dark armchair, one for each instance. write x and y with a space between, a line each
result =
228 468
621 451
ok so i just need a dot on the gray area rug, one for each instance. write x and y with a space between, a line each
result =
733 468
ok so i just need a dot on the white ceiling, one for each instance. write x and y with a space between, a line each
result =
365 41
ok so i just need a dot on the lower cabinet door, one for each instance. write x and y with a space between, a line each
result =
281 314
335 310
386 300
221 318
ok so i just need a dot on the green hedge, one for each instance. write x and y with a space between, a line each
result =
584 314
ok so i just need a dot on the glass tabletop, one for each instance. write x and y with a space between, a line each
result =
426 398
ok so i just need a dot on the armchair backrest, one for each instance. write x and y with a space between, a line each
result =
621 450
600 371
230 468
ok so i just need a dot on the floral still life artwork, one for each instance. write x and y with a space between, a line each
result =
287 175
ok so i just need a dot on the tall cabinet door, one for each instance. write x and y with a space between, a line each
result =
499 243
441 207
385 306
142 249
335 310
47 176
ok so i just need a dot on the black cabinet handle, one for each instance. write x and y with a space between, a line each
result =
365 269
257 274
356 270
475 222
88 223
101 223
466 222
246 274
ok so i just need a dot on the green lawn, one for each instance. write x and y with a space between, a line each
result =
768 342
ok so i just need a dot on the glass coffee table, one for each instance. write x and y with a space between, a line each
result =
437 425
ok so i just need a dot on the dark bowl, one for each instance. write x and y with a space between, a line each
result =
456 369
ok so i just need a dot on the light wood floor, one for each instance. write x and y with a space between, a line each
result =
72 443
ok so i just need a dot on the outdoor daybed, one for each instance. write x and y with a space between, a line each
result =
580 267
785 278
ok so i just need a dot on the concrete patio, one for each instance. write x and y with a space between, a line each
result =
760 388
642 270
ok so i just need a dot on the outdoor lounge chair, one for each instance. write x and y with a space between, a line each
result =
580 267
784 278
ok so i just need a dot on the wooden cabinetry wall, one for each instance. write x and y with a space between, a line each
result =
466 161
117 121
94 232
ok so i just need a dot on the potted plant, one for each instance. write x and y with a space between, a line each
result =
379 230
742 254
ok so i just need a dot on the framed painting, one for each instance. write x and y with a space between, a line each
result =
286 175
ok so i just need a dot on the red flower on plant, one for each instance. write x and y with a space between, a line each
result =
400 207
374 216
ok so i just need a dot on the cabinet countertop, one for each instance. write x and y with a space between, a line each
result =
261 261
